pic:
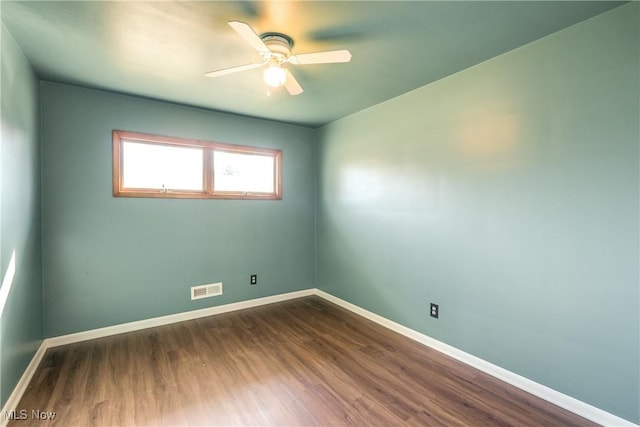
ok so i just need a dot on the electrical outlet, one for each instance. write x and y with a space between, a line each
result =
254 279
434 311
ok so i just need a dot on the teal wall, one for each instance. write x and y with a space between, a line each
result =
113 260
508 194
21 314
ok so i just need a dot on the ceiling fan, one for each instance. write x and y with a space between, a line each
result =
275 49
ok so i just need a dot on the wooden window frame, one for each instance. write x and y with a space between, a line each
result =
208 148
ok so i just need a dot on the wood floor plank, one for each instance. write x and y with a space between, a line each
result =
304 362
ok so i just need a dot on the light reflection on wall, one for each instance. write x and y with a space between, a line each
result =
7 281
489 138
401 188
360 183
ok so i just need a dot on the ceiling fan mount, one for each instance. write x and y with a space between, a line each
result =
276 51
279 46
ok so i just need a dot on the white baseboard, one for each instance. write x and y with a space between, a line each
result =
172 318
559 399
23 383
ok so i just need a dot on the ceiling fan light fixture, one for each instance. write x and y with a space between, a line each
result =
274 75
275 49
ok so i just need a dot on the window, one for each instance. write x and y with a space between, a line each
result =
157 166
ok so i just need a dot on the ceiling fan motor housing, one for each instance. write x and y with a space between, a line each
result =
279 44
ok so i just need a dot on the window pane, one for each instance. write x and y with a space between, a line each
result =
147 165
162 166
243 172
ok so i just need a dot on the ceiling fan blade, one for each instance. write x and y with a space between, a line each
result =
336 34
292 85
224 71
247 33
328 57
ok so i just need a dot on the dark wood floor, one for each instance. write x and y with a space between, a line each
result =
300 362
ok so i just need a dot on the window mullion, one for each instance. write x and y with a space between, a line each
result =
208 169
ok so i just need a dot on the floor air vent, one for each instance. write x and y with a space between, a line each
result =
206 291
